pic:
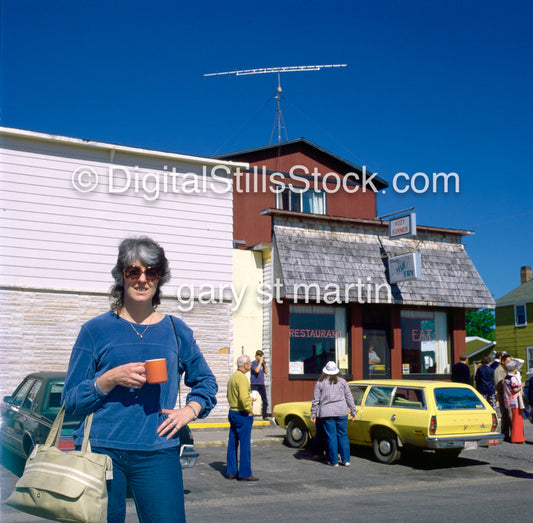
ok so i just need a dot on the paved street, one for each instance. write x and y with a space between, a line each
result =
483 485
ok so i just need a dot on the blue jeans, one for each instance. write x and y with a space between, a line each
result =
336 429
240 432
155 480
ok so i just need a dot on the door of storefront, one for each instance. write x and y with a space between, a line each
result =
376 344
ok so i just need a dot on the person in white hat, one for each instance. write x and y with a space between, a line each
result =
332 399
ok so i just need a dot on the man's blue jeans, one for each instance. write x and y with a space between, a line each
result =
155 481
336 429
240 432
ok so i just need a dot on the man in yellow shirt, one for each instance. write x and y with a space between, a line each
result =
241 419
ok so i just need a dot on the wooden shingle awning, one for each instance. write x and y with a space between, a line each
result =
350 260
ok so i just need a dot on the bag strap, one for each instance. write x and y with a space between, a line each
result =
86 446
55 432
178 358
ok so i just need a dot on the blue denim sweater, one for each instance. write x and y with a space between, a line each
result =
128 418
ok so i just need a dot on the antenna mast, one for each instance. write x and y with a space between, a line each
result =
278 122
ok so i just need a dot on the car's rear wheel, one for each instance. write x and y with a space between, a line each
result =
385 446
297 435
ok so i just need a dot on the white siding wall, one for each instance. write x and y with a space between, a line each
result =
55 237
58 246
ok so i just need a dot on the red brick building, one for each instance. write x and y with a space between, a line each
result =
329 267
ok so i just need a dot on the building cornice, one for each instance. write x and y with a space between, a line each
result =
378 223
112 148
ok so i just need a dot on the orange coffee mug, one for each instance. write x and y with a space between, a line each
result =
156 370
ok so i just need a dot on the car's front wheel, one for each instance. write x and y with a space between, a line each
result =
297 435
385 446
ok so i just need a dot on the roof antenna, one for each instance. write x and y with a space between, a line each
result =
278 121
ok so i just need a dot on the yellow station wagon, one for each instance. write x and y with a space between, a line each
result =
396 414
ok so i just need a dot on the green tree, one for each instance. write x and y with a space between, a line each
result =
480 323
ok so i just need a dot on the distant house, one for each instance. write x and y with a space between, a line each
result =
514 320
476 349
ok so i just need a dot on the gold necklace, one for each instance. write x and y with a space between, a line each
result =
141 334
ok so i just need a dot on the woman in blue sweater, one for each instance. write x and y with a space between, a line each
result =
135 422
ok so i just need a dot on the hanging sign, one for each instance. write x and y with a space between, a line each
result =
405 267
403 226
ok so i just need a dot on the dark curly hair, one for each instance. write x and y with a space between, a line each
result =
150 254
333 378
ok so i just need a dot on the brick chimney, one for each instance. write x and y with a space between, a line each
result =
525 274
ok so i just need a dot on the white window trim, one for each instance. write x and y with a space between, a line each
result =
300 191
516 324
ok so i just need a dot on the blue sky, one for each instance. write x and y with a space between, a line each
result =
440 86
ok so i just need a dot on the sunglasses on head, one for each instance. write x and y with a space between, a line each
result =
133 272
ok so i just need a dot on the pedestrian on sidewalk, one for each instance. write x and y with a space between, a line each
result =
332 399
505 412
461 370
257 380
241 419
496 362
513 390
485 381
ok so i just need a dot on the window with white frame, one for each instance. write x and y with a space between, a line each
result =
520 315
300 200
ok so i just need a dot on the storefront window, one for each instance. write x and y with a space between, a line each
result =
317 335
425 347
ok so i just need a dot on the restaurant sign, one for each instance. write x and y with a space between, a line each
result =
403 226
405 267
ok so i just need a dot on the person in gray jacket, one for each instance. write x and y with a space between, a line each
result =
332 399
505 412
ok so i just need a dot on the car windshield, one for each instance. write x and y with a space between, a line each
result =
451 398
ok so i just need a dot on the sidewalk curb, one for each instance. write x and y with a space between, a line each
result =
254 441
225 424
215 433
